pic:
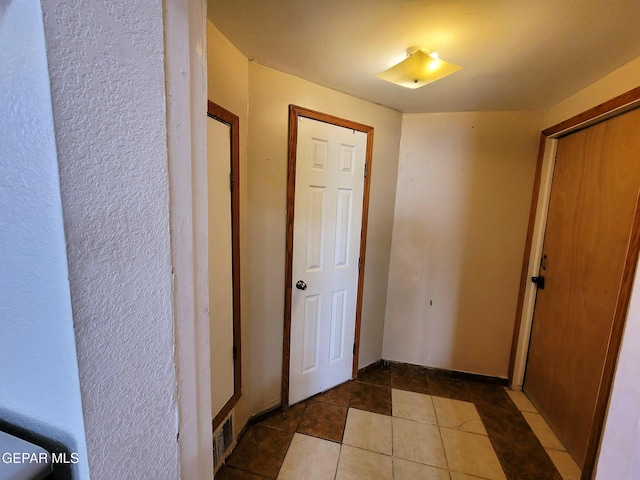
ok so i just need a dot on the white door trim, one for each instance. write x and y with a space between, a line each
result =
185 25
537 242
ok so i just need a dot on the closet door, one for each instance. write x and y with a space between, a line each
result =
224 295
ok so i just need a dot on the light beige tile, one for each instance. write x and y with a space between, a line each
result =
566 465
419 442
471 454
521 400
413 406
460 415
406 470
358 464
544 433
368 430
310 458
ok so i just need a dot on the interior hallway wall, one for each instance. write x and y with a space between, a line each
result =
463 196
619 455
270 93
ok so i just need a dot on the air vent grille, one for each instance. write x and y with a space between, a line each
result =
222 442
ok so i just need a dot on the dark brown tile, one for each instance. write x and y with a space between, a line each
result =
230 473
261 450
517 447
287 420
447 387
377 376
372 398
409 377
493 396
340 395
524 458
323 420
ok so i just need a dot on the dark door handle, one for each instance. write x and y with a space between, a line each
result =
300 285
539 281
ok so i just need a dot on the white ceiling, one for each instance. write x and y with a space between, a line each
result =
515 54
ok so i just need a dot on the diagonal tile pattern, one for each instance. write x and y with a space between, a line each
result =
471 454
418 442
310 458
367 430
413 406
372 398
458 415
323 420
403 422
566 465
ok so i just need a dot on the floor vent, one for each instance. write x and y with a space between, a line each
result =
222 442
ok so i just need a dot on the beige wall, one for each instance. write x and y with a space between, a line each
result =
228 86
236 84
463 195
620 450
617 82
270 94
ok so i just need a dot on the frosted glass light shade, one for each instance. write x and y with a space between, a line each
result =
418 69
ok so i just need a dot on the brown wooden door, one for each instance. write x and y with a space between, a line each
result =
593 198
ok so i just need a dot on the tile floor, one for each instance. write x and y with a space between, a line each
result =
403 422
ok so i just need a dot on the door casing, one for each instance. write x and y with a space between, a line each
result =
532 256
219 113
294 113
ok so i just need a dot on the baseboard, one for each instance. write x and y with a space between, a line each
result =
473 377
259 417
370 367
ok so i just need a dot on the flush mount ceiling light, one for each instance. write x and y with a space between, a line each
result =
419 68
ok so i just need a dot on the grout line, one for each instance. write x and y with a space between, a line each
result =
335 475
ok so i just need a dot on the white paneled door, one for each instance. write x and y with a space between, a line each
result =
329 186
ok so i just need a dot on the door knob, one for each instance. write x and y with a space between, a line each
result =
300 285
539 281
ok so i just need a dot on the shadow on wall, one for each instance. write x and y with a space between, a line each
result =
4 4
61 471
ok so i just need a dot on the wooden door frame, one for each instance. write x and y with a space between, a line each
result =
531 261
225 116
295 112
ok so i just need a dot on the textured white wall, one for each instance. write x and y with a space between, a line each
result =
106 62
39 387
620 449
461 211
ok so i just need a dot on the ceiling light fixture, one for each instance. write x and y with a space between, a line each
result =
419 68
